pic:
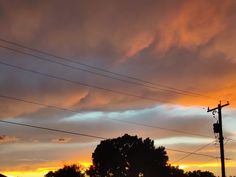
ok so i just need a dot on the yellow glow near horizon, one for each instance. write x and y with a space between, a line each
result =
41 171
189 165
24 174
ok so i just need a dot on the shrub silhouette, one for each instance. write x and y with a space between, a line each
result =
66 171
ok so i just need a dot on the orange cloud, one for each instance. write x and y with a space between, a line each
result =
7 139
194 24
186 45
139 43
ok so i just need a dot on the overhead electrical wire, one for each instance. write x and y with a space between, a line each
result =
154 86
164 88
75 82
37 103
70 110
66 109
191 153
195 151
83 84
98 74
162 128
123 121
87 135
91 72
53 129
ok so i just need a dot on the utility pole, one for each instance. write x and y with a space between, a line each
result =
218 129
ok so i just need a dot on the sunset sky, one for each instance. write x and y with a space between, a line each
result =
148 68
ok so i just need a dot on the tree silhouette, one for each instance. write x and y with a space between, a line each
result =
175 172
199 173
2 175
129 156
66 171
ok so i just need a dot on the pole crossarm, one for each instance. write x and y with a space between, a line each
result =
216 108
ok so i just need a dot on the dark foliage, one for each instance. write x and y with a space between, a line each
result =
199 173
67 171
176 172
129 156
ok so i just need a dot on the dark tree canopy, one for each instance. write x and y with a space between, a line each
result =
175 172
129 156
199 173
67 171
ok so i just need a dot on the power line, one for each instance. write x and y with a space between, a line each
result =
81 83
53 129
88 135
91 72
123 121
154 86
66 109
191 153
37 103
162 128
55 77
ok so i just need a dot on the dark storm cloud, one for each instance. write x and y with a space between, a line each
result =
160 40
184 44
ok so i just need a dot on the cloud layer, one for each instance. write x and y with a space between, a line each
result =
178 45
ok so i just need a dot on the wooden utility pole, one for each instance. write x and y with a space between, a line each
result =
218 129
